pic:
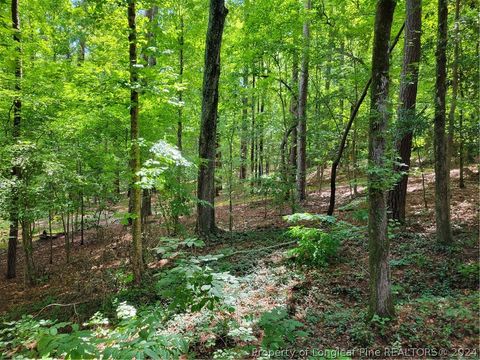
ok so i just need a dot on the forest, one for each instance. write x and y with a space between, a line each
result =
239 179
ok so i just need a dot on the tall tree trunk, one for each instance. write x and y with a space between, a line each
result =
181 41
455 80
302 109
208 129
442 197
294 112
151 13
343 141
407 104
381 302
244 131
460 151
261 154
17 119
462 138
135 191
252 132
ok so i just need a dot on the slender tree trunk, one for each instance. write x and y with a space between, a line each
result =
28 250
442 197
381 302
151 13
302 110
294 113
51 235
343 141
252 132
208 129
181 41
407 104
455 80
17 119
66 229
146 204
261 155
424 190
460 151
135 190
243 139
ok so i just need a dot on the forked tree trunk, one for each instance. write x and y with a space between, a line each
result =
407 105
381 302
208 129
302 109
442 197
17 119
136 191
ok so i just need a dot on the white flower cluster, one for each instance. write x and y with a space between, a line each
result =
164 150
125 311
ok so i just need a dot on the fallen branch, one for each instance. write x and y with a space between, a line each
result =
61 305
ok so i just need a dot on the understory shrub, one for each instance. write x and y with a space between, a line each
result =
279 329
318 245
315 246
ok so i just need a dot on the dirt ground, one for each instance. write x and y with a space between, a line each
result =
90 273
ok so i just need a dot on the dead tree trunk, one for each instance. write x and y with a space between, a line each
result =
208 129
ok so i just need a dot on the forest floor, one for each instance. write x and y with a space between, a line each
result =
436 290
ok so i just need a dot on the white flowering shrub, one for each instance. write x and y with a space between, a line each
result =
125 311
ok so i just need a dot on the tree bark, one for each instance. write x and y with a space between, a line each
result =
208 129
244 131
302 109
381 302
407 105
442 198
343 141
455 80
181 41
17 119
136 191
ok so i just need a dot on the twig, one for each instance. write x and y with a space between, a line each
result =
61 305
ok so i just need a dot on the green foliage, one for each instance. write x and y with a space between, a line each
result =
470 271
134 336
168 247
298 217
193 286
315 246
279 329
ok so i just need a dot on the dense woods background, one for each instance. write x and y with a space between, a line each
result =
201 179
